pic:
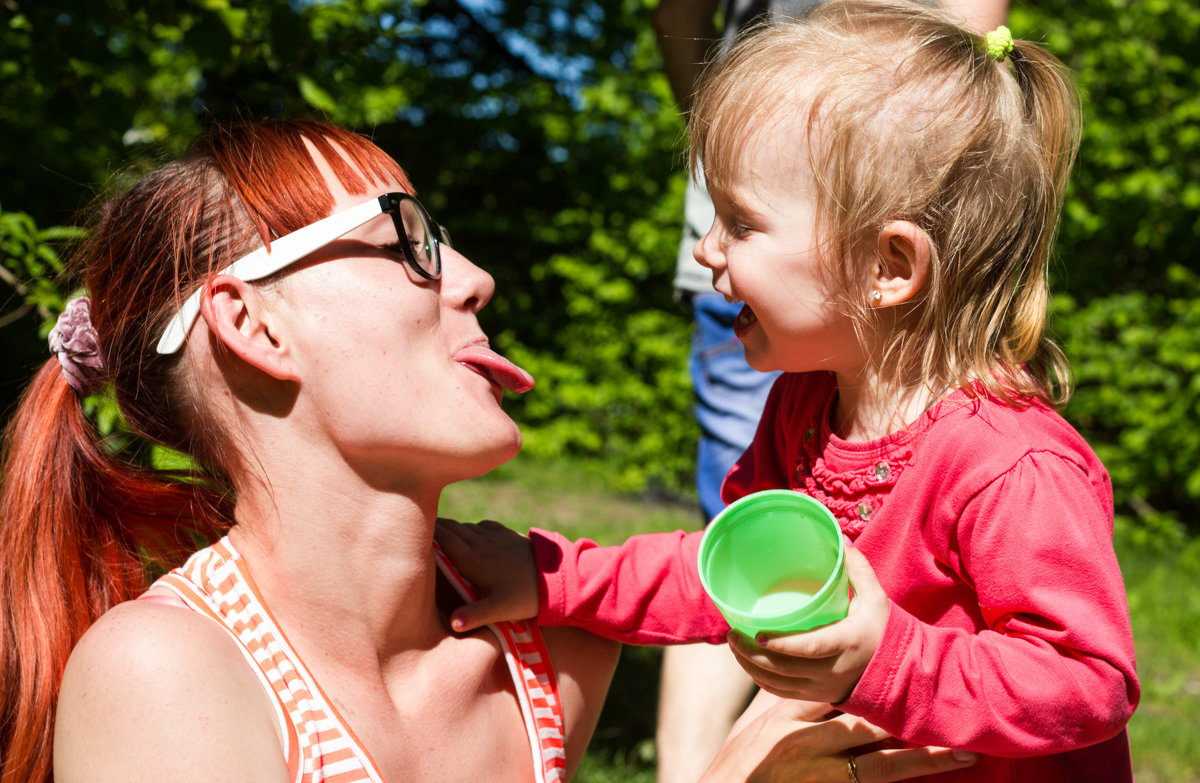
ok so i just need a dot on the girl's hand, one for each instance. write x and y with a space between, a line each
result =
499 563
789 742
826 663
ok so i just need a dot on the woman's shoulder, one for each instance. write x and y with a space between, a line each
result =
583 668
158 691
153 636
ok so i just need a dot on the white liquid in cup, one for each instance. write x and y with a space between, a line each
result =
786 595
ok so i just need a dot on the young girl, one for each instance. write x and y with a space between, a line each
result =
887 221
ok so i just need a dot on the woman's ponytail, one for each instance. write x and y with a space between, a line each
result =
75 527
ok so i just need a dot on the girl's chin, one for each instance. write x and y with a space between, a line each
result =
760 357
760 365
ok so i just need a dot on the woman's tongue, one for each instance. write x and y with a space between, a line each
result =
490 364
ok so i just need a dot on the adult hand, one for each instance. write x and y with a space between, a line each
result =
826 663
789 743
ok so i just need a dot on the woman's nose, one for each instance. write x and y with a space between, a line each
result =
466 285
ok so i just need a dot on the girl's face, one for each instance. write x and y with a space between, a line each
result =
764 251
394 368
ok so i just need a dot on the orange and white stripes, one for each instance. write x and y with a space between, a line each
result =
537 690
320 746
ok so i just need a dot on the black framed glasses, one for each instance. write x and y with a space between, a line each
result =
418 236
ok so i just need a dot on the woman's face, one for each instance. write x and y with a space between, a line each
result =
394 369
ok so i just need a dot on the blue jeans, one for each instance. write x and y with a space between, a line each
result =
730 395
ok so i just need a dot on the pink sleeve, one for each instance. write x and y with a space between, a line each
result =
645 591
764 463
1054 669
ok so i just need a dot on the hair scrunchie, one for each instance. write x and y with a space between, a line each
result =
73 339
998 43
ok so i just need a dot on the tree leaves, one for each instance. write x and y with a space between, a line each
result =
542 133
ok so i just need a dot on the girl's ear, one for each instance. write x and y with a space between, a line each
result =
902 266
235 314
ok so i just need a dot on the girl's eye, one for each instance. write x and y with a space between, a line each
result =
738 231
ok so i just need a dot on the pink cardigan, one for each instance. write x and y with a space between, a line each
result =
990 529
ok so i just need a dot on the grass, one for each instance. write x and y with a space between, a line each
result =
1161 568
1161 573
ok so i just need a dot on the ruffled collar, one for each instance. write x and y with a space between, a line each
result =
852 478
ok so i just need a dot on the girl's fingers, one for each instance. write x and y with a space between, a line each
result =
885 766
862 576
772 680
491 524
483 612
448 533
782 657
820 643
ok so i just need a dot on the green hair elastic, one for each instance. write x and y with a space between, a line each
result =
999 43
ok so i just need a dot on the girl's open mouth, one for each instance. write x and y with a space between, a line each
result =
744 321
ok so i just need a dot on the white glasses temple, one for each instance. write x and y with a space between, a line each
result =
261 263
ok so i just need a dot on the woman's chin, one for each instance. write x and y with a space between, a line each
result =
500 453
510 450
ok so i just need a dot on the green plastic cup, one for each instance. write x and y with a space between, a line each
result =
776 561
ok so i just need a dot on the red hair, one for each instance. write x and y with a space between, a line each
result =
78 523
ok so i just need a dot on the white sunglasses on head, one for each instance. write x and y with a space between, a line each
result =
418 235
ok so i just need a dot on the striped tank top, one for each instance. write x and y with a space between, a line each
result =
320 745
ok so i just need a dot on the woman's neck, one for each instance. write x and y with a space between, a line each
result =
340 561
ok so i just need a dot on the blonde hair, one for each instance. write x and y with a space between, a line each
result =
912 120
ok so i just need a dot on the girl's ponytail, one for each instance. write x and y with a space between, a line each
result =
75 527
1052 120
1052 110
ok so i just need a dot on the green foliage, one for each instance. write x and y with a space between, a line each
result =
1137 365
613 384
1134 207
544 135
30 266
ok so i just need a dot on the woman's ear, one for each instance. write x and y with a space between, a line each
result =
902 265
234 312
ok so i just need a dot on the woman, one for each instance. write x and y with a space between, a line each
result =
278 306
